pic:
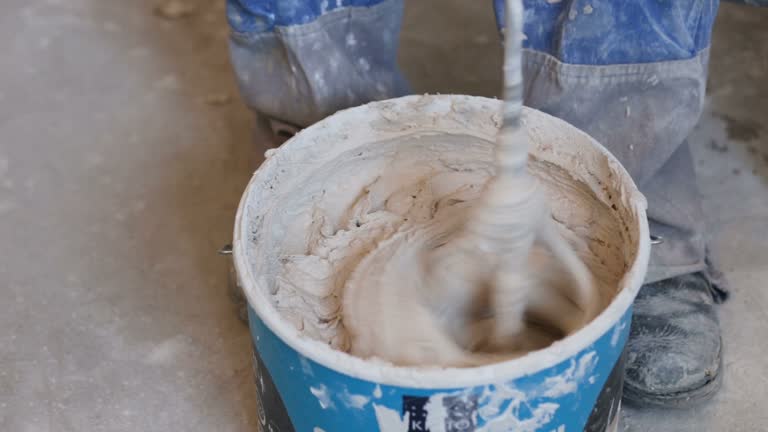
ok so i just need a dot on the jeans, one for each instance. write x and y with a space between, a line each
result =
631 74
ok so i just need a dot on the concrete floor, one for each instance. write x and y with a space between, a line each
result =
123 153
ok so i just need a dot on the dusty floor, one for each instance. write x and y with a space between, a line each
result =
122 161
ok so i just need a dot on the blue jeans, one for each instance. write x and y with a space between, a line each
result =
630 73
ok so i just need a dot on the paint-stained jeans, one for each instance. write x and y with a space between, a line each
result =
630 73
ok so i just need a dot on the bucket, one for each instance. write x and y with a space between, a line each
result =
305 384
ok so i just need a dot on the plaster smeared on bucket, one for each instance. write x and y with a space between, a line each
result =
354 400
321 393
389 420
617 333
568 381
306 367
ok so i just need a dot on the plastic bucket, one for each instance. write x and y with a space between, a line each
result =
305 385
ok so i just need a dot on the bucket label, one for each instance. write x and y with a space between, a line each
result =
413 409
461 413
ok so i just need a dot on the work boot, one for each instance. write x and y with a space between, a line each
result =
271 132
674 348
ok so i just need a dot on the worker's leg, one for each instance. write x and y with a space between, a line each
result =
632 74
299 61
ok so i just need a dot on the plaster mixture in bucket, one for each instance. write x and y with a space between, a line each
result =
350 226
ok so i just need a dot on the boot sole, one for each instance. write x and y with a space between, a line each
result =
679 400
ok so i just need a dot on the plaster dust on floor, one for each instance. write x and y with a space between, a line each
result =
350 233
115 194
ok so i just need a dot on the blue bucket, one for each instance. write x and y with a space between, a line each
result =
305 385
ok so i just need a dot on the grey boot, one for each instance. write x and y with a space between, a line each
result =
674 349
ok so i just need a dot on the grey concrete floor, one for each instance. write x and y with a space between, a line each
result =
123 153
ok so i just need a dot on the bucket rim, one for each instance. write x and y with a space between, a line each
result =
436 377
